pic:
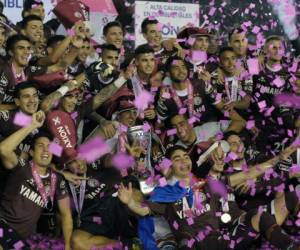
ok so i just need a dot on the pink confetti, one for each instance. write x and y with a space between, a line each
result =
122 161
190 243
288 100
212 11
295 169
190 221
19 245
250 124
226 237
280 188
165 164
74 115
294 67
233 156
159 26
166 95
192 120
162 182
70 32
175 225
253 66
262 104
97 220
255 29
55 149
199 56
171 132
278 82
22 119
191 41
146 127
93 149
251 234
143 100
217 187
182 111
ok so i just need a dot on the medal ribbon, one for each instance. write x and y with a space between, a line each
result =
41 187
232 95
190 98
20 78
78 204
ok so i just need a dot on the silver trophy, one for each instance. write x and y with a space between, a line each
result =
142 138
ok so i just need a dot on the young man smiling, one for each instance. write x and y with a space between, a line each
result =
191 208
12 72
35 187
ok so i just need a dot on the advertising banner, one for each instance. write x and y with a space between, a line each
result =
172 16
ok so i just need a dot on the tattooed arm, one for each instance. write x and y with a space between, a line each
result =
65 62
50 100
97 118
107 92
9 144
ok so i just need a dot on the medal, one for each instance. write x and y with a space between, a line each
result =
225 218
78 203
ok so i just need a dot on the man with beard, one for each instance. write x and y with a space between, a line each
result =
30 188
185 200
196 139
237 39
125 115
110 55
258 184
272 81
182 95
197 41
70 101
233 92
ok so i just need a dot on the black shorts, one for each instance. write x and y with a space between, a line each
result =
108 218
242 234
10 238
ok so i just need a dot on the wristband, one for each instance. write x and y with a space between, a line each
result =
63 90
119 82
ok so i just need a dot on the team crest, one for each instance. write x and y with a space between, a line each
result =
77 14
62 184
93 183
197 100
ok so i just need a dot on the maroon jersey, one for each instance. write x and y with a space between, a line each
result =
21 204
7 83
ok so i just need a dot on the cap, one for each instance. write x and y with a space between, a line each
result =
123 100
188 32
76 11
